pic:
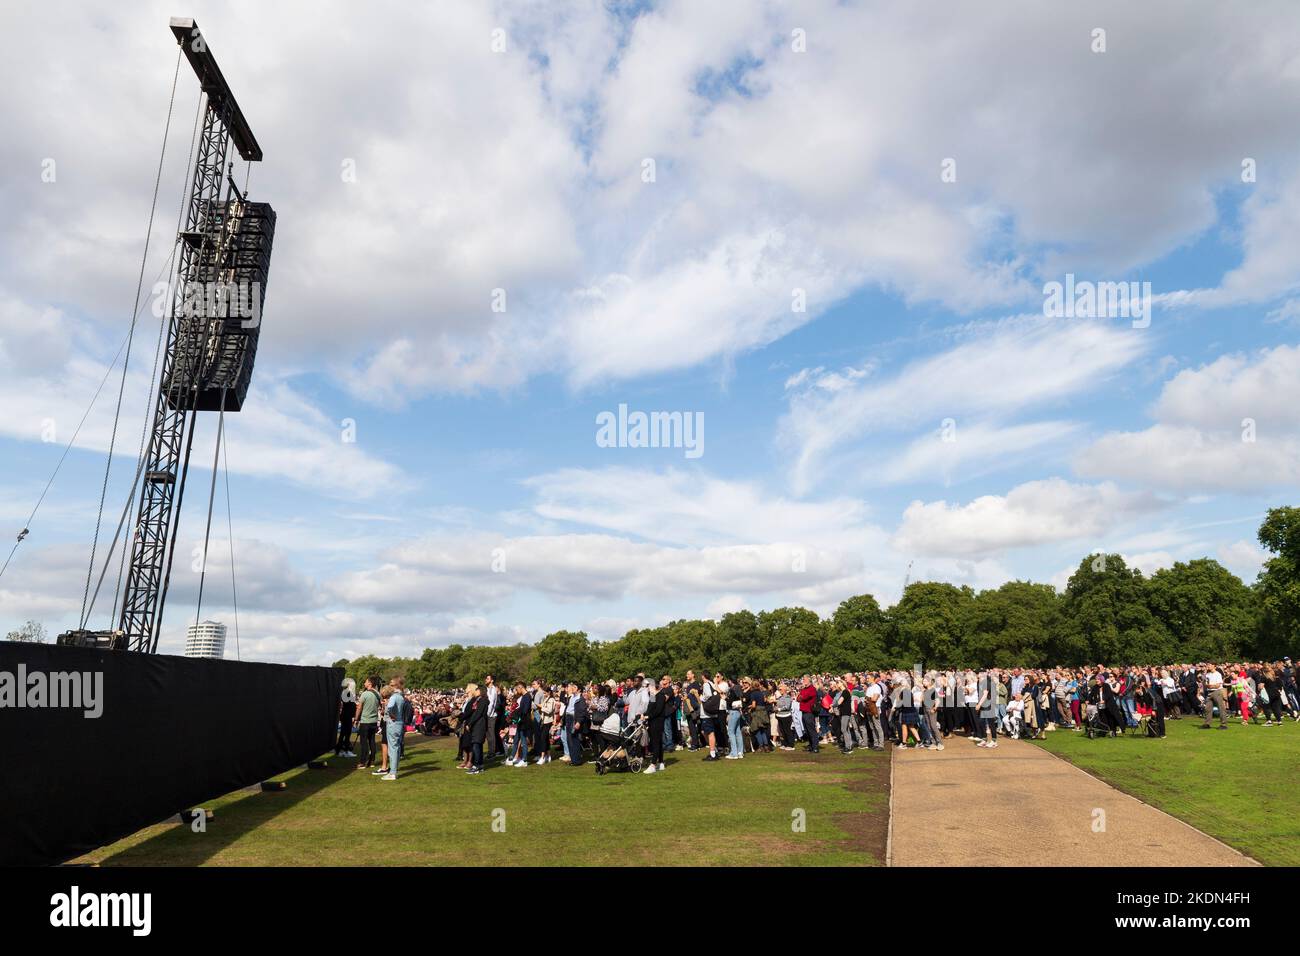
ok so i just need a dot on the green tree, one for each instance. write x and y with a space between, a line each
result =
505 663
1278 586
738 644
1206 609
368 665
1012 626
564 655
857 637
928 624
1105 617
792 639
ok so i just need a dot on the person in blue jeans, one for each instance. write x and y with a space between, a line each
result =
735 738
396 732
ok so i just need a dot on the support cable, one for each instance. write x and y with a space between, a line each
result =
212 492
230 535
73 440
186 185
135 313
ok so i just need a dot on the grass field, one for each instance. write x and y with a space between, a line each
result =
1241 785
735 812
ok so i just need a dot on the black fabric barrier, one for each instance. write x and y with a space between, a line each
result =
172 732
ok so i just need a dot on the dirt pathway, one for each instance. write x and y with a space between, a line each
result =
1020 804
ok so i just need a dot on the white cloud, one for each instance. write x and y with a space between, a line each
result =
726 604
452 573
1201 440
689 507
1034 513
524 173
1244 558
279 433
975 449
1030 362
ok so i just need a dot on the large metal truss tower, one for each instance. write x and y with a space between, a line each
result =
208 357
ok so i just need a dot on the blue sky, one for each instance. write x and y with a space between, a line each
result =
780 173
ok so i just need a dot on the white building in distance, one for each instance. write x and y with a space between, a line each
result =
206 639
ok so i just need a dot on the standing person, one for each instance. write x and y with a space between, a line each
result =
720 722
784 709
875 731
1270 696
807 707
367 724
671 730
1212 681
523 721
550 712
986 704
395 715
492 694
857 699
347 712
930 712
1156 693
1241 688
539 736
735 736
690 698
971 698
713 707
842 711
909 716
575 714
406 714
660 707
464 751
385 696
476 720
759 720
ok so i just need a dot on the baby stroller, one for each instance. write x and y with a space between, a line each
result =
620 749
1096 723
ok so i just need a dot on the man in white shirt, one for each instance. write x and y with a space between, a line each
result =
1213 681
875 733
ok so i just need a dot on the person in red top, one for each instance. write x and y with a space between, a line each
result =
807 703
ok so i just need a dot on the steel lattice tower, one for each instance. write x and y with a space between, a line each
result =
208 359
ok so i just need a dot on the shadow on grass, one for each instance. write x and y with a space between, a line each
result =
235 815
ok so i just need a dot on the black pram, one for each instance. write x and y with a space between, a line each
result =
620 749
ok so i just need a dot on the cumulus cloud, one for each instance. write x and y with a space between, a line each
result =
526 173
1034 513
458 573
1243 557
1232 425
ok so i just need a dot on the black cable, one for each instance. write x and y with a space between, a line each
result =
135 314
212 493
230 534
186 185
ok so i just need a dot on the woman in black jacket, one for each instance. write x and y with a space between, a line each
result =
463 758
476 723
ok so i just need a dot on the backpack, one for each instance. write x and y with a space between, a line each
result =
690 703
713 703
408 712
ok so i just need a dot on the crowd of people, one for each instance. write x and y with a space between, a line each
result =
530 723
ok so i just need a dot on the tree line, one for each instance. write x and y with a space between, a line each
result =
1109 613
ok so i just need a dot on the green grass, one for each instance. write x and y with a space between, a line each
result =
1240 785
730 812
